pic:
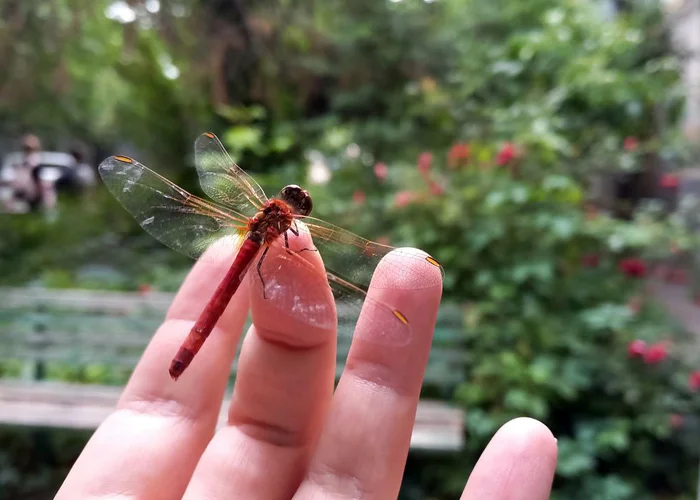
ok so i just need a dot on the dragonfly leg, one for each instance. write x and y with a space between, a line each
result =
260 261
295 231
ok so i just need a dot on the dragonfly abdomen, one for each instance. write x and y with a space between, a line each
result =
215 307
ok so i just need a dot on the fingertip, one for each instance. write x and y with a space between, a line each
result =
520 460
525 434
409 282
409 269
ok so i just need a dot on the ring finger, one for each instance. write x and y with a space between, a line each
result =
363 449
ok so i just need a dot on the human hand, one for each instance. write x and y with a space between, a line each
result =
288 435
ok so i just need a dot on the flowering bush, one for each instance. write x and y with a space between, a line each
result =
634 268
483 162
559 324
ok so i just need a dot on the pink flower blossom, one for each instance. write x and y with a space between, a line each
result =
425 162
459 153
694 380
506 154
637 348
359 197
634 268
656 353
669 181
381 171
403 198
436 188
631 143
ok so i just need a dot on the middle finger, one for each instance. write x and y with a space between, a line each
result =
283 390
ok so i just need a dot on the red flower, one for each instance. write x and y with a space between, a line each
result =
656 353
403 198
631 144
669 181
694 381
637 348
458 153
436 188
425 161
634 268
506 154
590 260
381 171
676 420
359 197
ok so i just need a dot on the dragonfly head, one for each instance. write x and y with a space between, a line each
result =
298 199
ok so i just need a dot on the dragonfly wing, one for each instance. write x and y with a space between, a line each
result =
355 259
383 324
224 181
167 212
351 263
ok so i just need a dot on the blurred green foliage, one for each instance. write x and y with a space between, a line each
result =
34 462
536 95
549 314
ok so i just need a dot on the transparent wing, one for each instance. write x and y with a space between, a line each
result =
351 263
354 259
167 212
224 181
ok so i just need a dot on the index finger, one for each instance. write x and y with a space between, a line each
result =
149 447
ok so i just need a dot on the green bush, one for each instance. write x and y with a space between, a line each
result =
554 300
91 243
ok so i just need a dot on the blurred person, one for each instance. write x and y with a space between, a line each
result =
26 183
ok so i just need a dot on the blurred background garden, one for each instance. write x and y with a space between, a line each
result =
546 152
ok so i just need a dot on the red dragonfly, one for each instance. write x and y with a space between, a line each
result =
244 216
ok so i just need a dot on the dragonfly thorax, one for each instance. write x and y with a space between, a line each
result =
273 220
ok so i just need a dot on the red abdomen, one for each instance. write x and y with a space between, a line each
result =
214 308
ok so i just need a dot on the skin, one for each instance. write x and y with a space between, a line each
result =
288 434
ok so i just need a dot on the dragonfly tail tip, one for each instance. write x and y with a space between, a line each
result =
176 369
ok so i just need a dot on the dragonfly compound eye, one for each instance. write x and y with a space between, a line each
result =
297 198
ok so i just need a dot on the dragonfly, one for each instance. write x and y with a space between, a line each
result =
250 224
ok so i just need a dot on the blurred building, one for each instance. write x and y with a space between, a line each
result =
684 17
